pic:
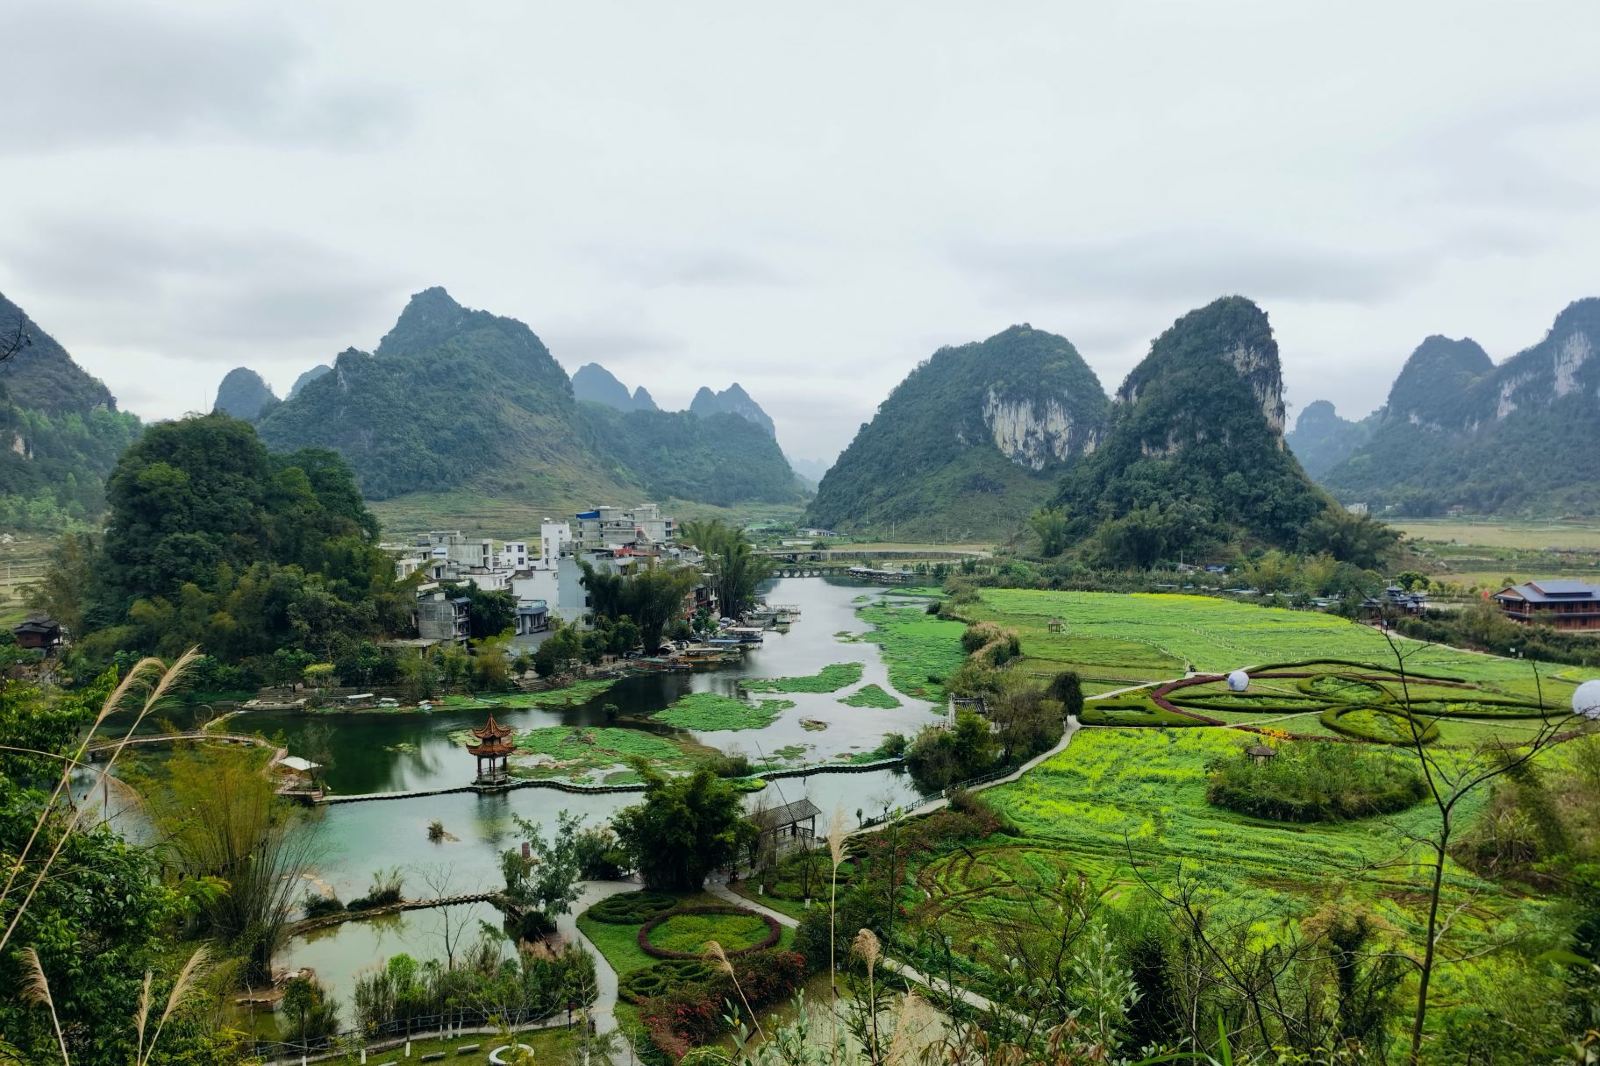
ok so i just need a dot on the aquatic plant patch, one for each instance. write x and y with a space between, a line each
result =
921 650
579 692
830 678
572 752
710 712
872 696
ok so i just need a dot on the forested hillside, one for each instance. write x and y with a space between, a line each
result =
459 400
1321 439
969 443
1460 431
721 459
60 433
1194 462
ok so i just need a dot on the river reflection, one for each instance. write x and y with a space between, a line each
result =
410 751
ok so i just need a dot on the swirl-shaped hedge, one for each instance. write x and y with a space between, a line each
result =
1349 720
631 908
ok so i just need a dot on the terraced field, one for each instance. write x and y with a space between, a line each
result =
1121 806
1119 639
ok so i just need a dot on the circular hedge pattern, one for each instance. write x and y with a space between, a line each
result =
631 908
1357 701
1380 723
773 933
663 977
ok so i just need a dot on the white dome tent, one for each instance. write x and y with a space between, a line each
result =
1586 700
1238 681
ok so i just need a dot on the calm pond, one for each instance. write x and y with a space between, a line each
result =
405 751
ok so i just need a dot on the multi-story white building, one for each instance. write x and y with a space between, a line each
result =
616 527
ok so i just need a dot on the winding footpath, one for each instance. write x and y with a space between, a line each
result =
604 1011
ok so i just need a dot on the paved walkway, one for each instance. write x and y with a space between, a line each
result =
605 978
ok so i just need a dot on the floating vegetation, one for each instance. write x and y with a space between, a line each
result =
711 712
921 650
813 725
872 696
828 679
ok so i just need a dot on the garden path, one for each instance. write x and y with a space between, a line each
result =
605 978
721 890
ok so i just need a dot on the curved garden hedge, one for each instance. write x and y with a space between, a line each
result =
774 931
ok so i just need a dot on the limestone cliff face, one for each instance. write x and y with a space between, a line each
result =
1261 371
1035 431
970 443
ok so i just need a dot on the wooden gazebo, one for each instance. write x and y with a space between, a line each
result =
494 742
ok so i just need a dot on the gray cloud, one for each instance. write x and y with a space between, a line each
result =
199 294
1187 265
99 72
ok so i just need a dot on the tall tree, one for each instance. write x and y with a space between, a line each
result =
736 570
685 828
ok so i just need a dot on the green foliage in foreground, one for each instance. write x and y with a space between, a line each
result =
830 678
872 696
711 711
1309 781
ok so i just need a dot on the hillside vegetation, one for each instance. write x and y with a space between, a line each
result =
969 443
456 400
1460 431
60 433
1195 463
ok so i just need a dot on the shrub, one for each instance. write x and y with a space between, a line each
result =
600 855
1315 782
535 925
732 765
321 906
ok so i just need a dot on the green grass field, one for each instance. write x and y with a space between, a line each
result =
1144 637
1122 808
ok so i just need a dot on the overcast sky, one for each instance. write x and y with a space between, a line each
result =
806 199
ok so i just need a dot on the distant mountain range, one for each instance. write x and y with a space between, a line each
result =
1460 431
595 384
456 400
60 432
1321 439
